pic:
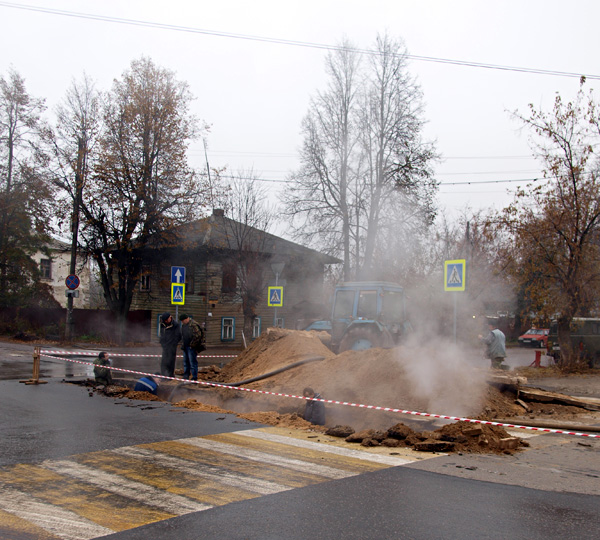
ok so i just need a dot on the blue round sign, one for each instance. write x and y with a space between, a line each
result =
72 282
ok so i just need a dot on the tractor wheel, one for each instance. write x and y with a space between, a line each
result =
360 339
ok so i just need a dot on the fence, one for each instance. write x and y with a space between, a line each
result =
50 322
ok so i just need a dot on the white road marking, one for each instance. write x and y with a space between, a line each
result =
320 447
264 457
54 519
215 474
149 495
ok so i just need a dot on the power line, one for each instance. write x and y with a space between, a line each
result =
441 184
295 43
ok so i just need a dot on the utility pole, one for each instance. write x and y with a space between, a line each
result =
69 330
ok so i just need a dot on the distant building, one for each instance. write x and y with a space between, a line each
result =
223 259
54 269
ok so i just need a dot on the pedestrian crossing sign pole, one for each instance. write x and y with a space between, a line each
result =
454 280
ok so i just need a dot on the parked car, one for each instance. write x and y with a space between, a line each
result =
535 337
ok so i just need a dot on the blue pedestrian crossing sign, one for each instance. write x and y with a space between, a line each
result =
455 274
178 293
275 297
177 274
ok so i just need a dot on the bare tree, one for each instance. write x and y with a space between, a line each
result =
247 237
72 142
396 191
364 166
142 186
318 199
25 193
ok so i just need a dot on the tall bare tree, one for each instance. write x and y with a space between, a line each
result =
555 225
247 237
72 143
364 168
142 186
395 194
24 191
319 197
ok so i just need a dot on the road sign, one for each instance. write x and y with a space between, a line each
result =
177 274
455 274
178 293
72 282
275 296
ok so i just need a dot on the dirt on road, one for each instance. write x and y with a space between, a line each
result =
420 379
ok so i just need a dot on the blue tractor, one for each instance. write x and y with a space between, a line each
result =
368 314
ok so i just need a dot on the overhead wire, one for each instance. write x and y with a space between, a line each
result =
290 42
297 43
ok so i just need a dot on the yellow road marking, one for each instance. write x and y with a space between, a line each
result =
11 524
350 465
93 494
91 502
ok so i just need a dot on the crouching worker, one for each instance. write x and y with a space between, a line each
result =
146 384
315 410
102 374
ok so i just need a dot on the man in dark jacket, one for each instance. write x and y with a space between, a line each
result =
193 341
170 336
315 410
102 374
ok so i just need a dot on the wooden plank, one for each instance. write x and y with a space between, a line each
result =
544 396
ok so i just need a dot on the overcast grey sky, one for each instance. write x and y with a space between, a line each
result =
254 93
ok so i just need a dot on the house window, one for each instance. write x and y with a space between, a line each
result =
46 268
279 322
145 279
227 328
229 278
189 280
256 327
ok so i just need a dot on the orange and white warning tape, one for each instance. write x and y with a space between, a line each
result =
346 403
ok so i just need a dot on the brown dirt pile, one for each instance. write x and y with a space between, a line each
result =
377 377
457 437
435 380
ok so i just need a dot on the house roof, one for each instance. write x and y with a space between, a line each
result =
220 232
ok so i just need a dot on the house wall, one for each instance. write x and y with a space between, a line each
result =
60 265
206 303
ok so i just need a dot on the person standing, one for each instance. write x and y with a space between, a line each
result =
315 410
170 336
495 343
193 341
102 374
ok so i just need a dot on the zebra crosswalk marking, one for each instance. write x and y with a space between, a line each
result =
9 523
266 435
94 494
264 457
198 457
348 460
212 473
54 519
89 501
138 491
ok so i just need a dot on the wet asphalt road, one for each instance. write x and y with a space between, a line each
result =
550 491
415 501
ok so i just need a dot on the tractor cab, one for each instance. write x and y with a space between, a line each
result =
368 314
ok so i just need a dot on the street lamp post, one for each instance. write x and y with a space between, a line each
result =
277 268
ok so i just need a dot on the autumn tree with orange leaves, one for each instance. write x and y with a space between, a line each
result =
553 247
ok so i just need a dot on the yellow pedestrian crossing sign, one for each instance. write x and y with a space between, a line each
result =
178 293
275 297
454 275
